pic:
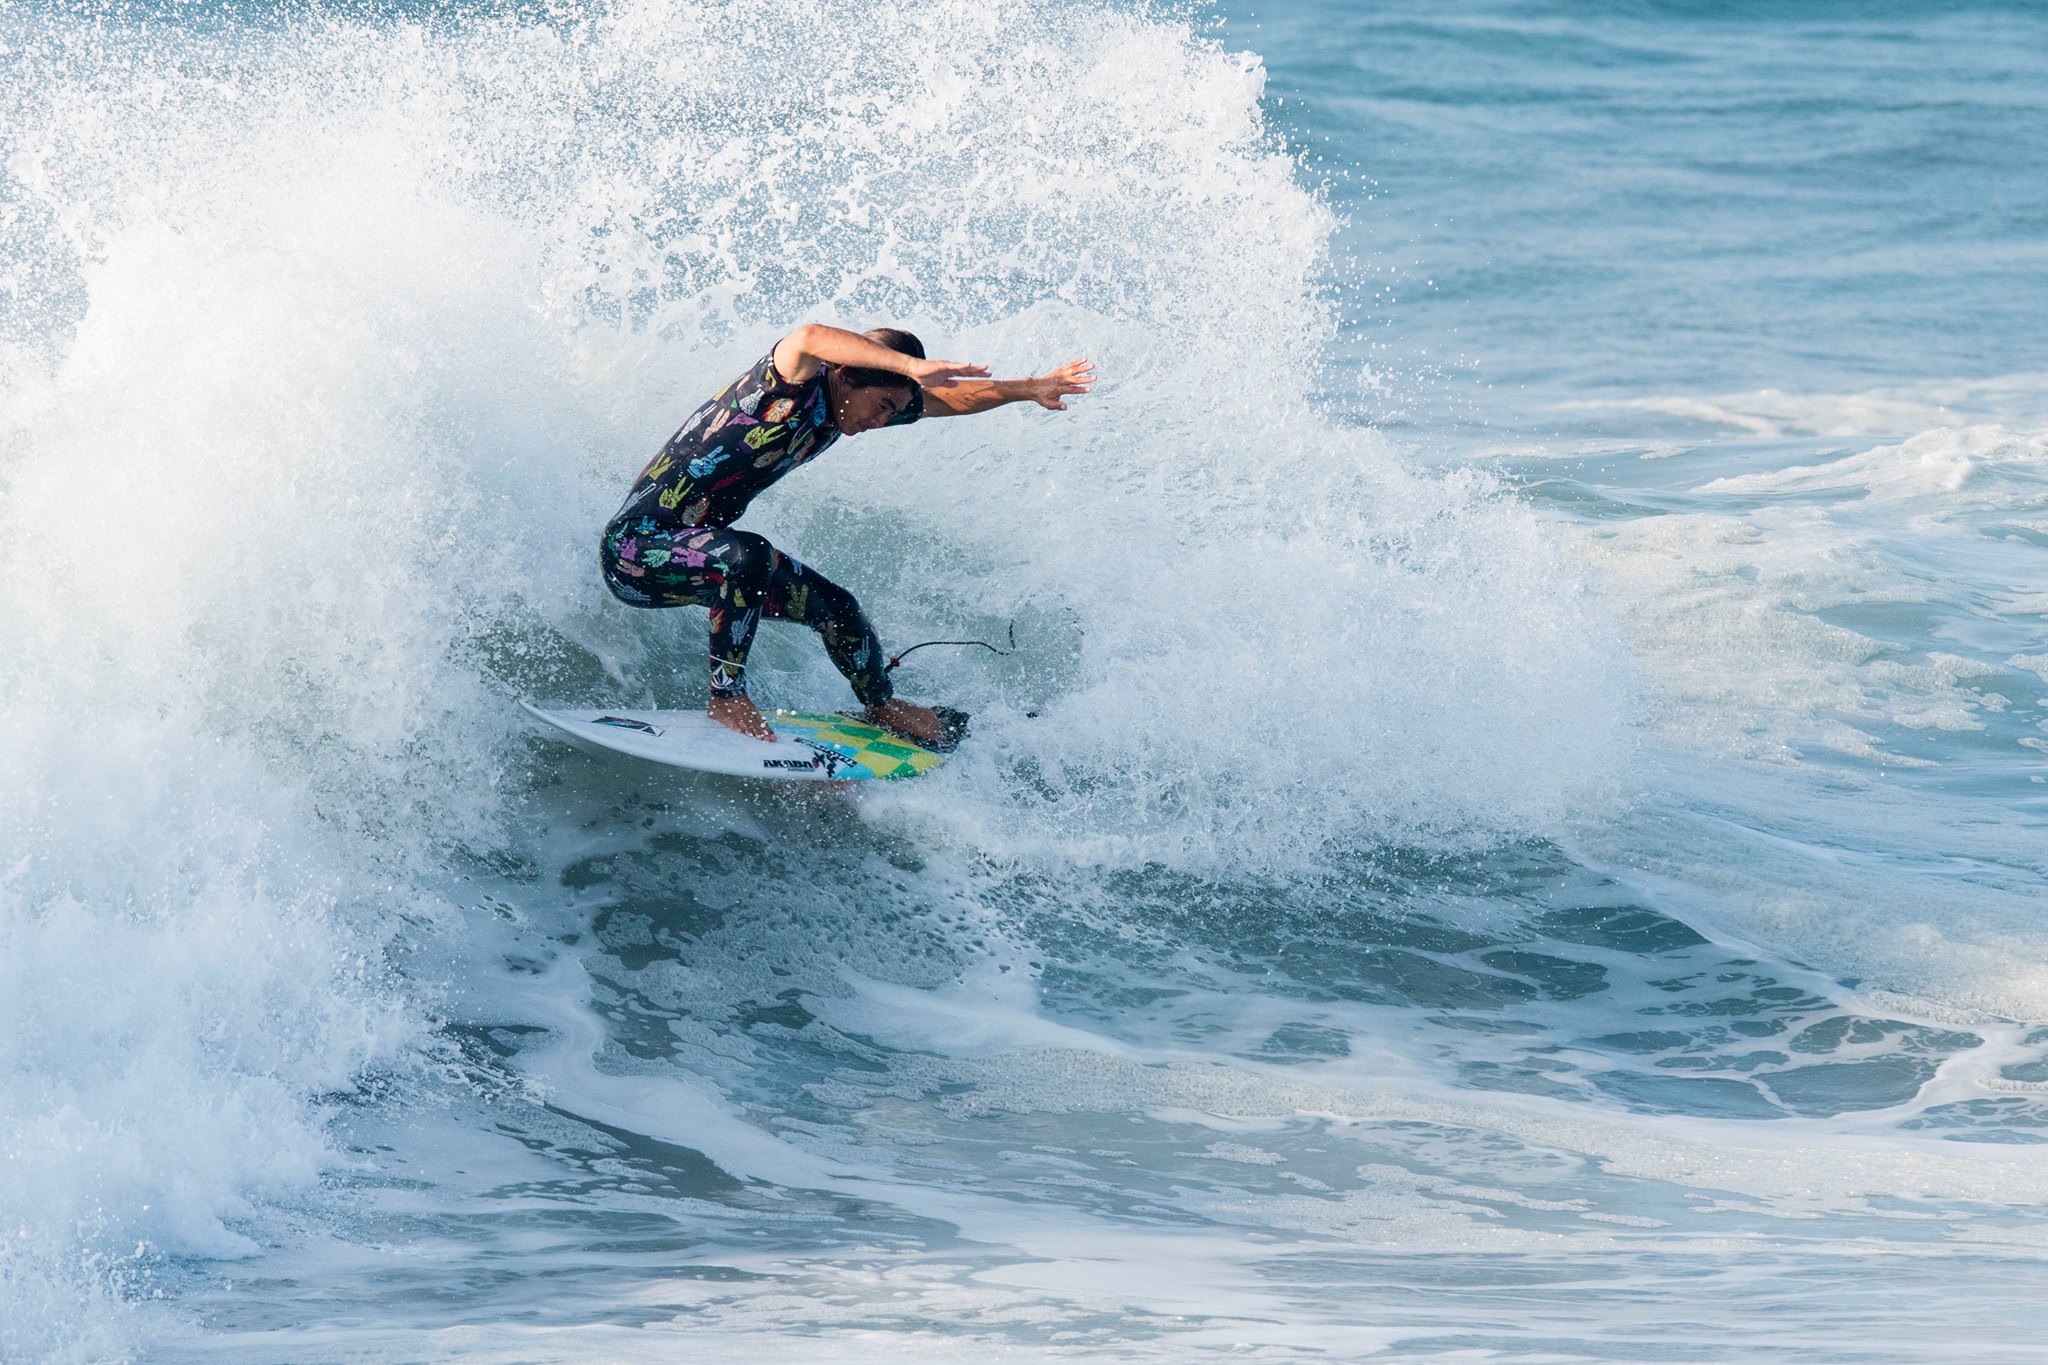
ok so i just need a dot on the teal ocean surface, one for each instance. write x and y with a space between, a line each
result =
1514 830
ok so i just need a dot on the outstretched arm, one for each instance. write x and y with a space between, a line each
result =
979 395
798 355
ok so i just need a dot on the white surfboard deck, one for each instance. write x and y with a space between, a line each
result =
810 746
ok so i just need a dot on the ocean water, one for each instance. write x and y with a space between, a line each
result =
1514 830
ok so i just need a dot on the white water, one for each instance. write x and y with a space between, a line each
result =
333 341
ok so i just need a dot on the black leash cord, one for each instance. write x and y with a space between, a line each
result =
897 659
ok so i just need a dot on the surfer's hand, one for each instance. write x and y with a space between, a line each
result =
935 374
1051 390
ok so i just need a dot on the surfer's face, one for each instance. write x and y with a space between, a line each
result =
855 410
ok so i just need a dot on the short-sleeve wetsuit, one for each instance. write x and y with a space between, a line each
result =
669 544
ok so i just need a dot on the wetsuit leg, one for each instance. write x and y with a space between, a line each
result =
796 593
740 577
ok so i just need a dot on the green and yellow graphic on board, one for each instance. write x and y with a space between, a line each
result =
871 747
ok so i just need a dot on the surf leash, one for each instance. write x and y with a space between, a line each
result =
899 658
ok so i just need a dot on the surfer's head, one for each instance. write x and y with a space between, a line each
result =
865 399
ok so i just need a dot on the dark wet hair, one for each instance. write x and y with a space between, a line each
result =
896 339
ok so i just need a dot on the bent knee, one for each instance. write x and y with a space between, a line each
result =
631 593
749 563
620 573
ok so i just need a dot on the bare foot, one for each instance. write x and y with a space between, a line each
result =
908 718
739 713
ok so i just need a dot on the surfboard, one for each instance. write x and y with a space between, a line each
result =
811 746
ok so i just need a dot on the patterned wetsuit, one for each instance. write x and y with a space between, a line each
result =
669 546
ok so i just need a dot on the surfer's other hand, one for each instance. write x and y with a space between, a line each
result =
739 713
1051 390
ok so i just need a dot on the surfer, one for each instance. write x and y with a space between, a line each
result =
671 543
